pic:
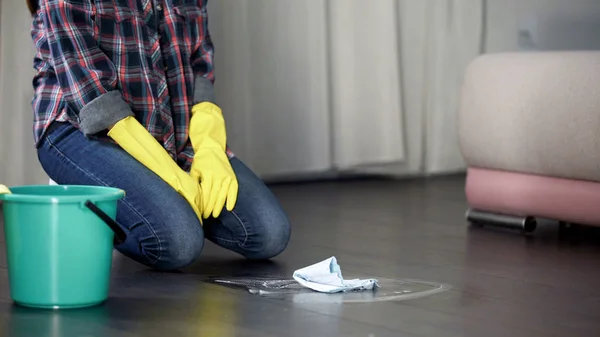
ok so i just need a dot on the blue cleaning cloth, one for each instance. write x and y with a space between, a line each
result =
326 277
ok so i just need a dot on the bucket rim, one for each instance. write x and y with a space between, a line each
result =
107 194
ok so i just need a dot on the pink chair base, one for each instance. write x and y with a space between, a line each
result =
520 194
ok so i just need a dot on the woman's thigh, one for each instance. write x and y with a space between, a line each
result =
258 227
163 230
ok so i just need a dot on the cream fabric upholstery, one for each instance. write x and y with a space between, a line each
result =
533 113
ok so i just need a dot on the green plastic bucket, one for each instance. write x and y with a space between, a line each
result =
59 244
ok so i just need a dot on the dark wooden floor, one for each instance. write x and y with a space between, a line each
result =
503 284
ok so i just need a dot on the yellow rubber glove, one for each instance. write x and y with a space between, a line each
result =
211 165
4 189
139 143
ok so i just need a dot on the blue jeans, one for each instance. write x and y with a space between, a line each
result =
163 231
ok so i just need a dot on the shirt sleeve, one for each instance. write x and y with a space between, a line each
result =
44 81
86 75
203 64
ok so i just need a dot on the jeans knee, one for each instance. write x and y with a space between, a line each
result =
180 246
274 239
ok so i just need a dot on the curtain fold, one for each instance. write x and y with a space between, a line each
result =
438 40
271 69
365 81
455 39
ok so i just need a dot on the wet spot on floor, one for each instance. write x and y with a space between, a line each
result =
288 289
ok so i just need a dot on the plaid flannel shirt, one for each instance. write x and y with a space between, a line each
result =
98 61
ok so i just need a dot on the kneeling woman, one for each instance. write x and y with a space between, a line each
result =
124 98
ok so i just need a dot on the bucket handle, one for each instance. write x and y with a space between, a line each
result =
120 235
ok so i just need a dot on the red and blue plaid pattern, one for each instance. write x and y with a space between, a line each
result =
149 50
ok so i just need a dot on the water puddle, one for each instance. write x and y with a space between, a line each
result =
288 289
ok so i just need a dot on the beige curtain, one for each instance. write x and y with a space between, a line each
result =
365 83
318 87
18 160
